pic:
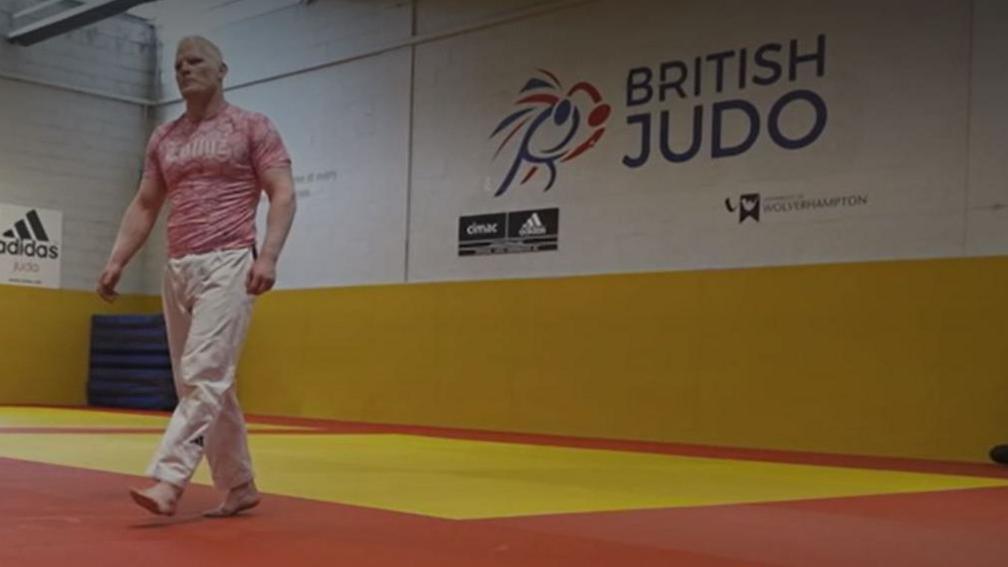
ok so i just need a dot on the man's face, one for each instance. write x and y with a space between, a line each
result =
198 70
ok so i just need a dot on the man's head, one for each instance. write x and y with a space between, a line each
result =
199 68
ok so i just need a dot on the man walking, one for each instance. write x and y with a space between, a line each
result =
211 163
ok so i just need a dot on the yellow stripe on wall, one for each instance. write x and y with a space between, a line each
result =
901 358
45 338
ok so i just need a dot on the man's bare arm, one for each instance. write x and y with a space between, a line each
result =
278 183
137 222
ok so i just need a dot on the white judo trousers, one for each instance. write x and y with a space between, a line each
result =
207 311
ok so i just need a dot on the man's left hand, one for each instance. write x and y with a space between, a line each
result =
261 277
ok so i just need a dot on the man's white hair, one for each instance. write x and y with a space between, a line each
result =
204 43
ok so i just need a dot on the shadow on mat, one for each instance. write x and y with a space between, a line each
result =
155 522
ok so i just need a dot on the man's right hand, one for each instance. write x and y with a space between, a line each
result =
107 282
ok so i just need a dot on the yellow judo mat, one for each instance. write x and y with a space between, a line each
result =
466 479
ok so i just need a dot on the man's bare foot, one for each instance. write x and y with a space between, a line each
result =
159 499
239 498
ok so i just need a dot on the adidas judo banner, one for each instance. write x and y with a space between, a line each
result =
31 242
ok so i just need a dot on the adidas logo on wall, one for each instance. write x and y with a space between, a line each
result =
533 226
30 245
28 238
28 228
504 233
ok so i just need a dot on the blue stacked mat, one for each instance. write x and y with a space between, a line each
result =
130 366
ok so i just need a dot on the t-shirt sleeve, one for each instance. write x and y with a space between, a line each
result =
268 150
152 164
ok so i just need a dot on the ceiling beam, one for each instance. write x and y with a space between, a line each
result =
69 20
45 6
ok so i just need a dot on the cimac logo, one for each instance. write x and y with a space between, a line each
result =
551 125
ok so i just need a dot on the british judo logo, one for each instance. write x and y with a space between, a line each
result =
551 125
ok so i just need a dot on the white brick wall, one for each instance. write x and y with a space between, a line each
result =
988 191
75 152
82 154
439 15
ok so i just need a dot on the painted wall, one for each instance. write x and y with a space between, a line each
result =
862 311
71 137
987 191
68 144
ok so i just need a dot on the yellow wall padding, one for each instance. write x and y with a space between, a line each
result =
904 358
45 335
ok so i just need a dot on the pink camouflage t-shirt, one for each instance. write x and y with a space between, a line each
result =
211 170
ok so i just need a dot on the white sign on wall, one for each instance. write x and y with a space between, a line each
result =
785 134
31 245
